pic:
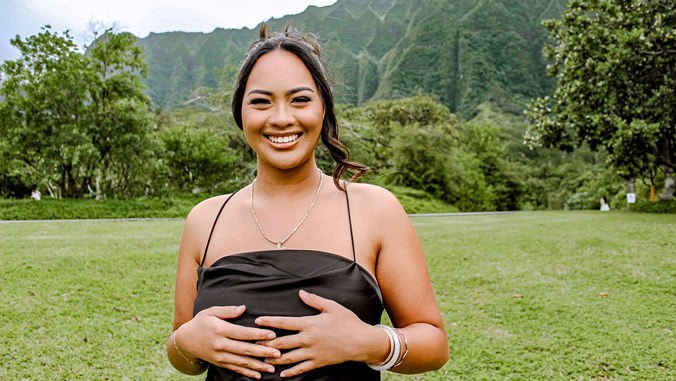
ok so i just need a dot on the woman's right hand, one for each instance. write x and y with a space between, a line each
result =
210 337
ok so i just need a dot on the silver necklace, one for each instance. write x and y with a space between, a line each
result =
280 244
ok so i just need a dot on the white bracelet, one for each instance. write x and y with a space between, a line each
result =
403 357
395 350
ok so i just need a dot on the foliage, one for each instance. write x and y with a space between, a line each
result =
408 140
194 159
172 206
73 121
661 206
519 295
485 143
616 70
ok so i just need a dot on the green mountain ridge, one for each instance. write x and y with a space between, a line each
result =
465 52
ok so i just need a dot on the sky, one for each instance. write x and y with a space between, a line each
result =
140 17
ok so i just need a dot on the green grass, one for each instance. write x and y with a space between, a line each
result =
94 300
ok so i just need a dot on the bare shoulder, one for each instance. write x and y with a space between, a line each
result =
205 209
379 201
198 224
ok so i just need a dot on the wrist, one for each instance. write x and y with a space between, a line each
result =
378 346
193 360
398 349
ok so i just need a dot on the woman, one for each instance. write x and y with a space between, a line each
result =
293 272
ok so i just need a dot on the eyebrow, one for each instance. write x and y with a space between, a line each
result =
290 92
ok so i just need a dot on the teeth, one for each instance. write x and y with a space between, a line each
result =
284 139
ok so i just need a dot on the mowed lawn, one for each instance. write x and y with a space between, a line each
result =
528 296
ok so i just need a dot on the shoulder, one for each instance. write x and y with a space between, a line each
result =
206 208
377 201
199 221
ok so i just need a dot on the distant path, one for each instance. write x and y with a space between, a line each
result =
178 219
465 214
93 220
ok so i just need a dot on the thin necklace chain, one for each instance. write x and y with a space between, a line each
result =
280 244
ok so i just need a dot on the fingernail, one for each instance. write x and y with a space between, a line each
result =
276 354
283 374
257 376
258 321
271 335
240 308
303 293
271 369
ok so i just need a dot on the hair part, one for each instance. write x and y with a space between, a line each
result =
306 48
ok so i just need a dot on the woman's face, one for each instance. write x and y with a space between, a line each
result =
282 111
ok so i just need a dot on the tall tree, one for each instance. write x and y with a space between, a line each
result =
615 61
70 120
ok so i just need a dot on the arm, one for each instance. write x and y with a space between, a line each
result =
408 294
208 336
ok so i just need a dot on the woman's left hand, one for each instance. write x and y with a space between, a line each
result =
334 336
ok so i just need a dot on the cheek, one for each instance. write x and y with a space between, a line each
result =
313 118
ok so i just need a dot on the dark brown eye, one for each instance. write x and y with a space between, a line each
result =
259 101
301 99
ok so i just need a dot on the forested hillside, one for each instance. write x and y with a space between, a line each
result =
464 52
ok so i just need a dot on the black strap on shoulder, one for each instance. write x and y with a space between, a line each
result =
204 257
349 219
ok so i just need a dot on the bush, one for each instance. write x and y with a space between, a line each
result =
661 206
416 201
582 201
64 209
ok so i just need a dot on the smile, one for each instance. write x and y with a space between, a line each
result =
283 139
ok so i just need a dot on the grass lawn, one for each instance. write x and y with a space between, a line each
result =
523 297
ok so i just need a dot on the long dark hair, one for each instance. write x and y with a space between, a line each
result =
306 48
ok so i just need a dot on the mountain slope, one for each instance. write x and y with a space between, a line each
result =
464 51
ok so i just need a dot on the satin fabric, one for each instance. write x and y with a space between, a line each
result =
267 283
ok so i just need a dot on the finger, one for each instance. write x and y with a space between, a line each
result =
283 322
243 371
316 301
224 312
239 332
291 357
225 360
284 342
303 367
246 349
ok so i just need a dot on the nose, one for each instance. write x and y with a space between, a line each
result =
282 116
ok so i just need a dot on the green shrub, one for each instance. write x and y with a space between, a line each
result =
416 201
661 206
176 206
173 206
582 201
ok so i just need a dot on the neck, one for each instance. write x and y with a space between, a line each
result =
274 183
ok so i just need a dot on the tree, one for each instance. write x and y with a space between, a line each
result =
615 61
72 121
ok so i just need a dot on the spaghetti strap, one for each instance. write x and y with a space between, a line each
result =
204 257
349 219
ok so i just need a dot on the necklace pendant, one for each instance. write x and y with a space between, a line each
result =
280 246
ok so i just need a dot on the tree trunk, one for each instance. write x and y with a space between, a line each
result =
669 185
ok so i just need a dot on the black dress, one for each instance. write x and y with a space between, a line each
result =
267 282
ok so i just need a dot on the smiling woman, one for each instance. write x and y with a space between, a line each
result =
295 284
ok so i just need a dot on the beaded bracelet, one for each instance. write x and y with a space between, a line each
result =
198 362
395 350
